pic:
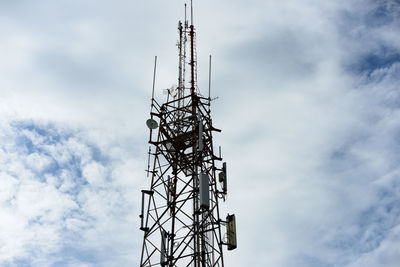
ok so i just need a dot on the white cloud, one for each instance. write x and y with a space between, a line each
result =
94 173
74 201
310 128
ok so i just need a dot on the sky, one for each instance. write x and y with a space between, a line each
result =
307 95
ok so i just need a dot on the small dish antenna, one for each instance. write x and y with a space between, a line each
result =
172 91
152 124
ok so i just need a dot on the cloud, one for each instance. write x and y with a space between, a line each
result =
58 192
309 146
308 105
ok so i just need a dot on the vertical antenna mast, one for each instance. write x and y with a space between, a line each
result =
209 80
185 13
191 12
154 83
192 62
181 60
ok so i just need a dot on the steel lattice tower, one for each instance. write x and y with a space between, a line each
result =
180 215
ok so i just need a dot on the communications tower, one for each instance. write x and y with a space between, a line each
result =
180 213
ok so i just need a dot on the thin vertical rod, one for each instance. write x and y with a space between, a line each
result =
181 72
192 60
180 79
142 211
191 12
185 15
209 80
154 78
148 162
152 93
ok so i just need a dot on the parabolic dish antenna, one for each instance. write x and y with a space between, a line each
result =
152 124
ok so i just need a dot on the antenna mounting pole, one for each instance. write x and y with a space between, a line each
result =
209 80
185 15
191 12
154 83
192 86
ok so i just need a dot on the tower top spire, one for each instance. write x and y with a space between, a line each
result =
191 12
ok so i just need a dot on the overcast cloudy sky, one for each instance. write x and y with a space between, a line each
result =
309 104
